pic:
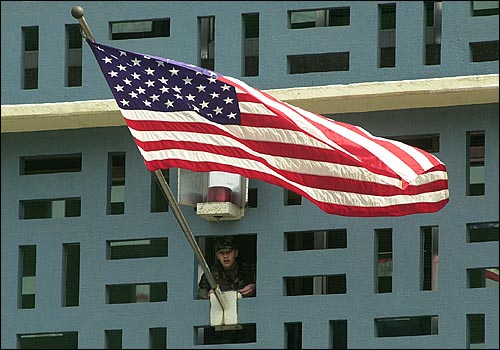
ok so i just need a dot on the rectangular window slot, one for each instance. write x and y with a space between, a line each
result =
330 17
475 163
484 51
30 59
383 262
61 163
315 285
59 340
321 239
292 198
113 338
206 34
482 232
428 143
429 257
27 277
433 25
251 44
140 29
73 55
137 248
49 208
338 334
116 181
475 331
136 293
293 335
323 62
387 35
159 203
158 338
406 326
485 277
484 8
71 274
207 335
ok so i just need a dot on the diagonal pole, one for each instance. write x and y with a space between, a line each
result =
77 12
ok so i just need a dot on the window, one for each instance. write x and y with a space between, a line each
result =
428 143
482 277
315 285
49 208
318 239
136 293
251 44
383 240
73 55
484 51
27 276
159 203
325 62
59 340
207 335
338 334
433 12
319 18
475 163
484 8
158 338
406 326
113 338
71 274
482 232
475 331
63 163
293 335
139 29
138 248
30 38
292 198
116 183
206 32
387 35
429 257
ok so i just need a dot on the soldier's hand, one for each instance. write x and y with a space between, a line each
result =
248 290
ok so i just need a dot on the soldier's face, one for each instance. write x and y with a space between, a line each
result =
227 257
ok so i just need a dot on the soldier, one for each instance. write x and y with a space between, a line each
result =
228 272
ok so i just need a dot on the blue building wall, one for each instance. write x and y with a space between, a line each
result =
270 309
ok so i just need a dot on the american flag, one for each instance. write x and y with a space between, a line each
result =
184 116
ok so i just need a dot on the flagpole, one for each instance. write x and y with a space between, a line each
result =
77 12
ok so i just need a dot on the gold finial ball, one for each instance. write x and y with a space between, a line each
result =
77 12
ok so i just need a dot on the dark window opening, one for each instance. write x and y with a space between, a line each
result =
138 248
475 163
113 339
433 15
318 239
315 285
332 17
251 44
406 326
49 208
158 338
338 334
383 263
292 198
387 35
73 55
484 8
116 183
325 62
293 335
475 331
483 277
159 203
136 293
59 340
484 51
154 28
27 277
30 38
52 164
207 335
71 274
482 232
206 34
429 257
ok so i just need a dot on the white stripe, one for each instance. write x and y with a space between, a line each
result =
325 196
254 108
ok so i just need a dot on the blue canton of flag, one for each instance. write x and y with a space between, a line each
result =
153 83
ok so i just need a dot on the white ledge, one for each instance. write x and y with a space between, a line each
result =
327 99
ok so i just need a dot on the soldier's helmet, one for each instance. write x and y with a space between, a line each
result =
225 243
